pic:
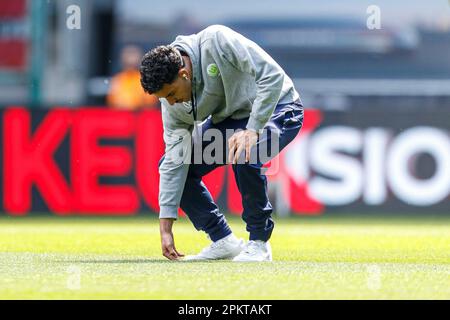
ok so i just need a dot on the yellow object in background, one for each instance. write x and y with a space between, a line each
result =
126 92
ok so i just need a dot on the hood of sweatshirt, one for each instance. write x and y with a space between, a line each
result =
191 46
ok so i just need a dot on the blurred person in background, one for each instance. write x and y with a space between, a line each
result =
225 82
126 92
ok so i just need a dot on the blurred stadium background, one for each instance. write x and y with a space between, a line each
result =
361 197
378 104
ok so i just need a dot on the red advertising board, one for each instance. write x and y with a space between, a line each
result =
13 38
12 9
13 53
96 161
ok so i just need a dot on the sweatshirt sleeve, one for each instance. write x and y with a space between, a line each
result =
175 164
248 57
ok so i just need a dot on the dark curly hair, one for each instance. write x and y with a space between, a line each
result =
159 66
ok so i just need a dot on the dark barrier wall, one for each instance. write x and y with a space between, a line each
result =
95 161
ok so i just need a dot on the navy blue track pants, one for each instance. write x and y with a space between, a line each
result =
196 200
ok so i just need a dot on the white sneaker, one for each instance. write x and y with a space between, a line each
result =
226 248
255 251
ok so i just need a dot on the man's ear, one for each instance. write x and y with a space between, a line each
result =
183 73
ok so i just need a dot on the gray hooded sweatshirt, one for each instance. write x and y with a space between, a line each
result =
232 77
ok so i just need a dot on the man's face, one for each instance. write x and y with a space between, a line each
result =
176 92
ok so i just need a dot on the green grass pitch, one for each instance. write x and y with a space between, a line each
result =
314 258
